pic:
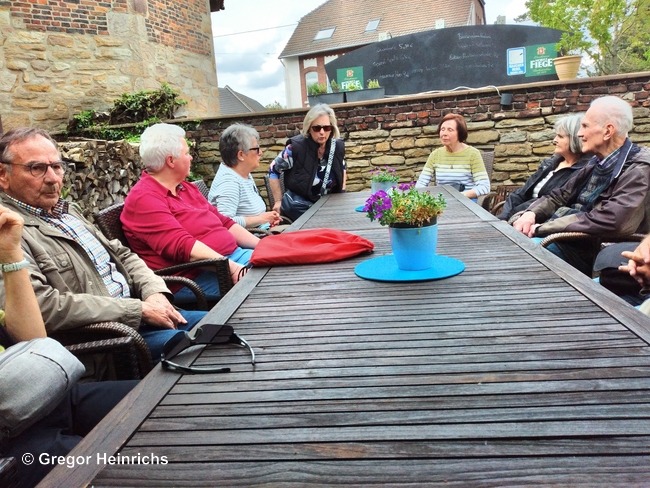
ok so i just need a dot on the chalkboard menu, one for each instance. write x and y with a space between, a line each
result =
444 59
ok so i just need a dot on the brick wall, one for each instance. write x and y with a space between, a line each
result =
71 17
401 132
179 24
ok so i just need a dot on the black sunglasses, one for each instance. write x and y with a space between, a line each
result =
318 128
210 334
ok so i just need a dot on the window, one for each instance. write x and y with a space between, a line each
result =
372 25
311 78
324 33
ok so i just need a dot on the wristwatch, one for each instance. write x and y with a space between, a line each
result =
9 267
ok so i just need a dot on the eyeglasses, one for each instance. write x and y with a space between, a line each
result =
318 128
256 149
38 170
209 334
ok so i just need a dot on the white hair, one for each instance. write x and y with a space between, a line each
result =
615 111
159 141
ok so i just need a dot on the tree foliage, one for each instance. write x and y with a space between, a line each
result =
613 33
275 106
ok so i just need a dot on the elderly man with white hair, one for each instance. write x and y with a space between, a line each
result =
168 221
609 197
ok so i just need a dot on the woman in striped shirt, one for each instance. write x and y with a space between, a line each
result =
456 163
233 190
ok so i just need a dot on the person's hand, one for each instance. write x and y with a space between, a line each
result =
271 217
276 207
639 262
11 230
526 224
158 312
236 272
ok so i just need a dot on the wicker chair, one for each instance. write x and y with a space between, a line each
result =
269 192
488 161
125 352
8 473
109 223
497 199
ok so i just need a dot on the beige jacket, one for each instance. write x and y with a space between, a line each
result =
69 290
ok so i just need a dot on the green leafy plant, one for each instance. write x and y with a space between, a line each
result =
142 109
613 33
384 174
373 84
274 106
335 86
315 89
405 206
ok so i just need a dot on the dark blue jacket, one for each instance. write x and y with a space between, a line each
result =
522 198
300 178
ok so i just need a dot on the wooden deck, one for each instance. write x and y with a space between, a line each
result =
517 372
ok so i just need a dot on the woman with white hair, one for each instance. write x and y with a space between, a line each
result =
233 190
167 220
552 172
313 164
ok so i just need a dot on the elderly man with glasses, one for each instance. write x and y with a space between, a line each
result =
78 275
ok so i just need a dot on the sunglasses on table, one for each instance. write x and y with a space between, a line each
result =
318 128
208 334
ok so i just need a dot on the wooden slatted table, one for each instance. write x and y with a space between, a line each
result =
517 372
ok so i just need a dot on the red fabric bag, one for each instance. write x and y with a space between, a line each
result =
308 247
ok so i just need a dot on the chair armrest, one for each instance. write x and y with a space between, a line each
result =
576 236
8 473
201 299
256 231
107 330
123 349
486 200
220 265
564 236
496 209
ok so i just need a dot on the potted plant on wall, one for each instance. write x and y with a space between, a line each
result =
373 92
569 50
317 93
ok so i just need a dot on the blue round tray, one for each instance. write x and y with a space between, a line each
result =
384 268
359 208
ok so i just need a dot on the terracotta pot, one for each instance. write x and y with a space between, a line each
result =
567 67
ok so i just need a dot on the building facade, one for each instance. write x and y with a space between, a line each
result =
60 58
340 26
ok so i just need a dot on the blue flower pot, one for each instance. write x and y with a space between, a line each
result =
414 248
375 186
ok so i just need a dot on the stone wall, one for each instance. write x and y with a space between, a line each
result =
59 58
399 132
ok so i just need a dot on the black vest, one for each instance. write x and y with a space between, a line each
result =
300 178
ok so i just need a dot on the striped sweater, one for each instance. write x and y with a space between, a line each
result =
464 167
234 196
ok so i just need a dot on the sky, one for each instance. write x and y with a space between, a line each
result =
249 35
